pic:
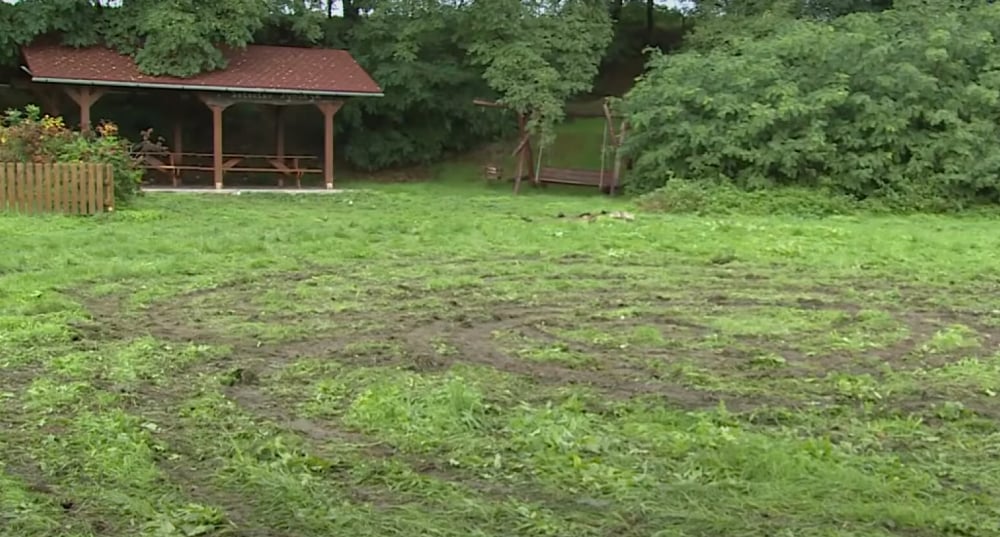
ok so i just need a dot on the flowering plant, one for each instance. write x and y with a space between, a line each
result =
29 136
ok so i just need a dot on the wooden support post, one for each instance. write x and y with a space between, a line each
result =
523 151
616 177
279 131
529 151
329 108
85 97
216 105
279 138
178 140
178 150
217 168
523 161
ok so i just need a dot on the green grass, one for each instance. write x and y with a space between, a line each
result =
430 359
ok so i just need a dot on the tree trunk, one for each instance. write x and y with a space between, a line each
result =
650 17
616 9
350 10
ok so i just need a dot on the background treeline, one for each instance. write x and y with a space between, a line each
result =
897 101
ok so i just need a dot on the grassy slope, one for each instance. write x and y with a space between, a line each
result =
433 360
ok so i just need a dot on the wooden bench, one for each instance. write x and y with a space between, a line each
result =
578 177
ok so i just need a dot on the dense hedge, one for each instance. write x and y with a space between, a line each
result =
903 106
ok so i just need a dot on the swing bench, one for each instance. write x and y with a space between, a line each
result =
606 179
577 176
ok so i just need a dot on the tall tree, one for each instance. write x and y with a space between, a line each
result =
182 37
179 37
539 53
432 57
810 8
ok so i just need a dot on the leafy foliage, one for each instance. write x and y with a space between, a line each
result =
539 53
28 136
899 105
432 57
415 49
180 38
20 22
416 53
725 23
804 8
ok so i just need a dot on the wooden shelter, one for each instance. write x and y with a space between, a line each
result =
268 75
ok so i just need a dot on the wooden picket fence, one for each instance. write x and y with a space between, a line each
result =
77 188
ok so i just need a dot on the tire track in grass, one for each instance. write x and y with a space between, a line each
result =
280 473
83 446
278 464
419 470
29 509
329 431
216 474
470 329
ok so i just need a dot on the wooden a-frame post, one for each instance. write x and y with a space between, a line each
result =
217 106
279 132
523 151
85 97
329 108
279 138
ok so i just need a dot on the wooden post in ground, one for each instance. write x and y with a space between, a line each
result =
217 105
177 153
522 129
279 131
85 97
178 141
616 177
522 151
217 170
279 138
329 108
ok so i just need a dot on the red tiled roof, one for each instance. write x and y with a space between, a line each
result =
257 68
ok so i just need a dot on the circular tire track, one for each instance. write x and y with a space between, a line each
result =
402 309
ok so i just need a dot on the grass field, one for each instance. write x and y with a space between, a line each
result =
416 360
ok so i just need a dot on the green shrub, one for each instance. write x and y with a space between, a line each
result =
28 136
900 106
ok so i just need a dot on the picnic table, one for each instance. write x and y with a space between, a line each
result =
173 164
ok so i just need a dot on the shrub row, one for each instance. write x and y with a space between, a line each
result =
901 106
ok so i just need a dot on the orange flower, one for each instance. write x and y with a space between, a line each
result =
107 129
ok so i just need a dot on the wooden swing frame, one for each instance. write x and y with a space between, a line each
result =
529 163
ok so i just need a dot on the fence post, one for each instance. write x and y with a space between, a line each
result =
74 190
19 187
6 176
109 189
